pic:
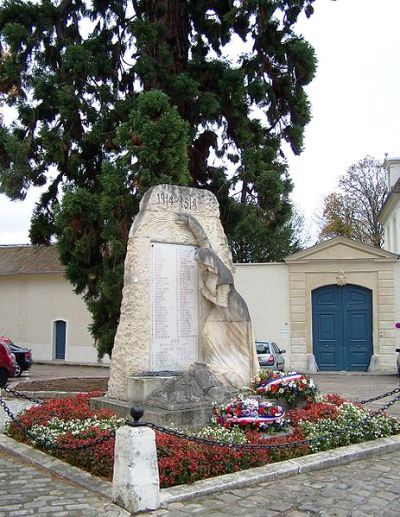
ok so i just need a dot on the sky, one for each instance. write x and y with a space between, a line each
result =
355 99
355 96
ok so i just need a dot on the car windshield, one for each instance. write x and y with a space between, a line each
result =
8 348
262 348
6 341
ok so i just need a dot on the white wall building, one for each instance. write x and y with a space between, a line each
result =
38 308
333 306
390 213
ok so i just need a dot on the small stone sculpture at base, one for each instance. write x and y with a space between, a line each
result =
197 386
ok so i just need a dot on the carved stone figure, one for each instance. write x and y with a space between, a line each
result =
226 339
195 387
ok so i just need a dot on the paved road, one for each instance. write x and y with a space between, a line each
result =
29 490
59 370
365 488
360 386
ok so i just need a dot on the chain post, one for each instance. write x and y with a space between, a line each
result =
136 413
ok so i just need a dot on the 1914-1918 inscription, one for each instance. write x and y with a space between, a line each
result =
184 201
174 307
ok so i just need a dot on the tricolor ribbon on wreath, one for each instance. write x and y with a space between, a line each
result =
285 379
254 420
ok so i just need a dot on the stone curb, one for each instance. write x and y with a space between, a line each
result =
241 479
62 362
41 395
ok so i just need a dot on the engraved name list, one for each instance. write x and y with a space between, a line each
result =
174 307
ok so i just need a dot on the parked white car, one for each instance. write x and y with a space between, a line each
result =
270 356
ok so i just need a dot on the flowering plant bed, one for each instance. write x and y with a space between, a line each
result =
292 387
69 422
250 413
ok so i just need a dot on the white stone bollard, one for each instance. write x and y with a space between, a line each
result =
136 484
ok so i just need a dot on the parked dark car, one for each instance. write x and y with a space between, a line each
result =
270 356
23 356
8 364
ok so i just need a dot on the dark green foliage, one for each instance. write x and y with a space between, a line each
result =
251 241
93 226
73 70
158 138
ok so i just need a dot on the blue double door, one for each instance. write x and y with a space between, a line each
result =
342 327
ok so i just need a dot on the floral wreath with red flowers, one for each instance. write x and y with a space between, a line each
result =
250 413
290 386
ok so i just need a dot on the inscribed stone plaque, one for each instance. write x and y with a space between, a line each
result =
174 307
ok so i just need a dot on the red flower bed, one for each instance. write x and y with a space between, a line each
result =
313 412
180 460
75 407
98 459
66 408
184 461
335 399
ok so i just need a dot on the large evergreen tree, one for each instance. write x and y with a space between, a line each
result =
113 96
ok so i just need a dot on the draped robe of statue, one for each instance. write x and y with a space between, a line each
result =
226 341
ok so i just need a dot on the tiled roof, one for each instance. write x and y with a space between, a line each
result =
16 260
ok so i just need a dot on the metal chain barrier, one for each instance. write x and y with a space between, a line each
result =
193 438
207 441
289 445
389 404
379 397
21 395
298 443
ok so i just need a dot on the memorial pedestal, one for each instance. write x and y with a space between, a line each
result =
189 418
171 399
140 388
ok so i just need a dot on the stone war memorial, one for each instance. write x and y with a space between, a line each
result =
184 338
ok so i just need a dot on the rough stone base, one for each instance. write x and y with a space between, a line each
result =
140 388
384 363
192 419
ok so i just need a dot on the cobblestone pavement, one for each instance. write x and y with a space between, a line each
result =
15 405
364 488
29 490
